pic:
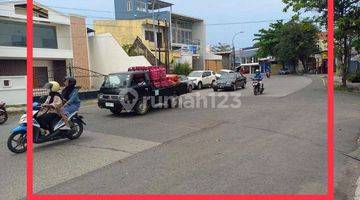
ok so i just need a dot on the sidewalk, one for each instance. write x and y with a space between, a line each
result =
18 109
355 87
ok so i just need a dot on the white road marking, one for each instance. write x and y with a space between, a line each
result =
357 191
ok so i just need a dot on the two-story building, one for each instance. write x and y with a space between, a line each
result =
182 35
60 42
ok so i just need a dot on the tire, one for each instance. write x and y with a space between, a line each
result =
215 89
243 85
212 83
20 139
256 91
76 130
200 85
115 111
190 89
233 88
173 102
3 117
142 107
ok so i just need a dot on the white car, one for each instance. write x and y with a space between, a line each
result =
224 71
202 78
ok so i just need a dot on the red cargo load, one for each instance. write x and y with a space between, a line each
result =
157 75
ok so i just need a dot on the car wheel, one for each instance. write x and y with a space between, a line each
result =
215 89
243 85
200 86
174 102
190 89
142 107
234 88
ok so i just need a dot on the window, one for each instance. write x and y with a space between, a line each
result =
45 37
149 36
141 6
14 34
129 8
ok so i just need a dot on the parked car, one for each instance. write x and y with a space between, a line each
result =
224 71
232 81
191 85
284 71
202 78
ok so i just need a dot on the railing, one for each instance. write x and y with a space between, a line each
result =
141 49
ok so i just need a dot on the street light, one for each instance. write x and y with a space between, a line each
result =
234 56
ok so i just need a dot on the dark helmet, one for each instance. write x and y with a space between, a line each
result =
72 80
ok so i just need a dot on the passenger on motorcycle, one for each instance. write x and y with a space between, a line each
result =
70 95
49 114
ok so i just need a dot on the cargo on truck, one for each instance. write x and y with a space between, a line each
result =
139 90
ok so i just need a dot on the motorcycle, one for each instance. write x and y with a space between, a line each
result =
258 86
17 140
3 113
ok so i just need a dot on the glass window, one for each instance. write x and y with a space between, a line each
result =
149 36
141 6
45 37
129 8
14 34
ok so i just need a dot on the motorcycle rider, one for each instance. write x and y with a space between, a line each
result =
70 95
49 113
258 77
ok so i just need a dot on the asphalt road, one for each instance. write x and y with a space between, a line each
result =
273 144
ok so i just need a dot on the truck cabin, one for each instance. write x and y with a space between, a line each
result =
127 79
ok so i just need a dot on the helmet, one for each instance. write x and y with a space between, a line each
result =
53 86
72 80
257 71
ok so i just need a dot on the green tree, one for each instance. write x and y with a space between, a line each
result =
347 25
288 42
221 47
182 69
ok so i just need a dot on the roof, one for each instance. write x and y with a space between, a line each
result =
17 2
158 4
185 17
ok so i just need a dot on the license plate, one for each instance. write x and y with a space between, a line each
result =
111 105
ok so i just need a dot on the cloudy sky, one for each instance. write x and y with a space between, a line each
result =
212 11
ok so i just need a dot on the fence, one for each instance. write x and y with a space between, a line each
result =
87 80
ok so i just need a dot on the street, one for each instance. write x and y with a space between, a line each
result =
273 144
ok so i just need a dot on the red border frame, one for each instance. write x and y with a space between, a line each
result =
330 129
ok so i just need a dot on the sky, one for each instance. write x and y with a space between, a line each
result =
212 11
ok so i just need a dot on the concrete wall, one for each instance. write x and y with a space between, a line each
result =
16 93
107 56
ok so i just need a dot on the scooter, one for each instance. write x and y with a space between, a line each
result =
258 86
3 113
17 140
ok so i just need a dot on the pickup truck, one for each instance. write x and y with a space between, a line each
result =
134 91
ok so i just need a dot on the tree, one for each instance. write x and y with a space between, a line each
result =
221 47
288 42
347 25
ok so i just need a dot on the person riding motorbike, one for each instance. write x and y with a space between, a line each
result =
258 77
49 113
70 95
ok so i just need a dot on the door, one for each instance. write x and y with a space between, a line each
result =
207 78
159 40
40 77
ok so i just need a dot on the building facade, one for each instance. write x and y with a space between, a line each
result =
182 35
60 42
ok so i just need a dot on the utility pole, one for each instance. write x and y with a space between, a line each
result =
154 30
234 51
